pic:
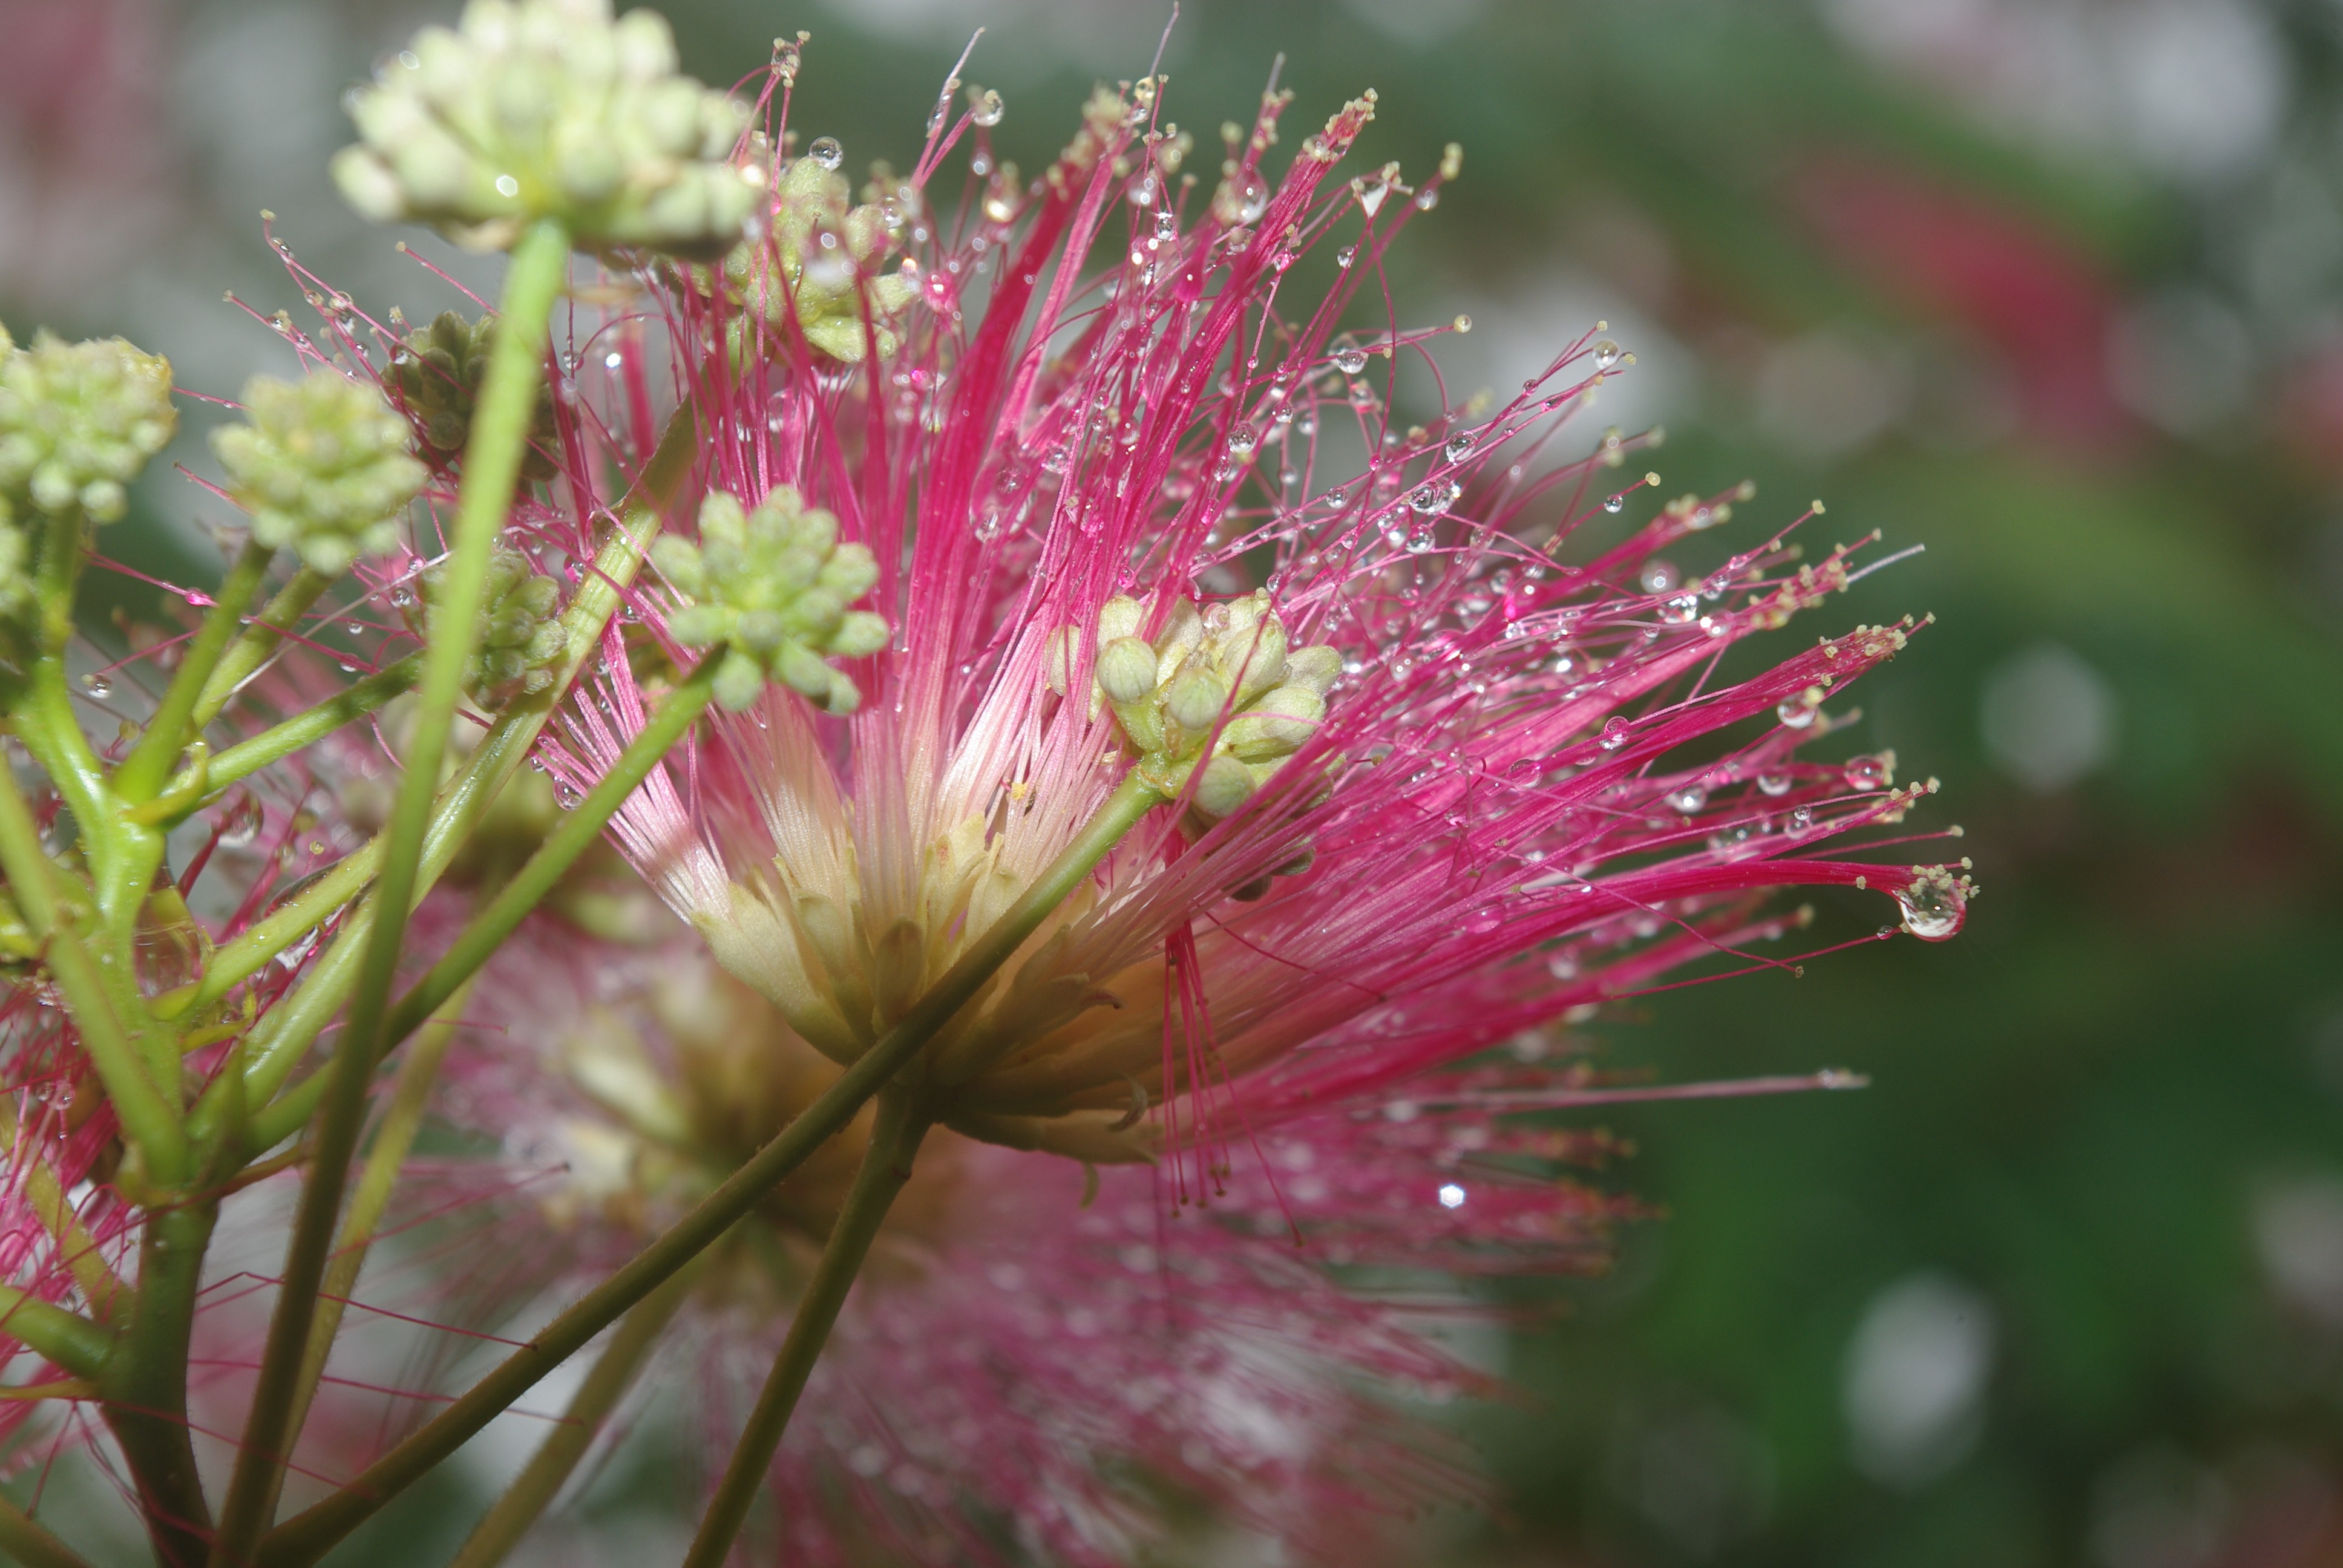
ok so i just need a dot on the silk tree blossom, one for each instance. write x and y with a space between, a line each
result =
982 522
1445 759
1421 756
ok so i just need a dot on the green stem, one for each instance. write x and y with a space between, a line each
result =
251 650
51 731
577 831
311 725
286 1033
146 1385
24 1539
149 763
492 459
149 1120
533 1489
64 1338
392 1142
886 1166
309 1536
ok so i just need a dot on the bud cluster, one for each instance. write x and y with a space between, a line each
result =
1217 695
549 109
772 586
438 371
322 466
77 421
520 642
821 258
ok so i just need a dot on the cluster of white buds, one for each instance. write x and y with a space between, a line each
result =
438 370
323 467
772 586
822 259
549 109
520 641
77 421
1218 695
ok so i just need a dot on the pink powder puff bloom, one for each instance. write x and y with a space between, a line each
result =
1440 771
1430 783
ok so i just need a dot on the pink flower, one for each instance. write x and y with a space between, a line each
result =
1446 759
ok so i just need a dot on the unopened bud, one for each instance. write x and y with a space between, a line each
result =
773 583
549 108
77 422
322 467
1222 786
1126 669
1194 699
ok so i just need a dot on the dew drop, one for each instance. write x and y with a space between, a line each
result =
1681 609
1659 577
1688 797
1802 820
986 111
1242 441
1793 713
826 152
1459 448
1773 783
1249 196
1932 913
1615 733
98 685
1434 496
1606 355
1615 505
1346 255
1867 772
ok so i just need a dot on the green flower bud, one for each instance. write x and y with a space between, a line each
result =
322 467
1225 785
1277 726
1317 667
77 422
1194 699
1126 669
1248 642
1119 617
825 260
437 372
773 583
520 642
549 109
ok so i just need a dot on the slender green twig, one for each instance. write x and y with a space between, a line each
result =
393 1140
310 725
251 650
492 458
308 1535
57 1335
534 1489
149 1121
144 1384
886 1166
142 772
577 831
30 1544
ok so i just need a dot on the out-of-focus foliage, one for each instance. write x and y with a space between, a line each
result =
2051 286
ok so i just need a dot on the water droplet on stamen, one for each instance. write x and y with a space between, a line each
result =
826 152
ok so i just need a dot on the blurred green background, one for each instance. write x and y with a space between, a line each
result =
2050 285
